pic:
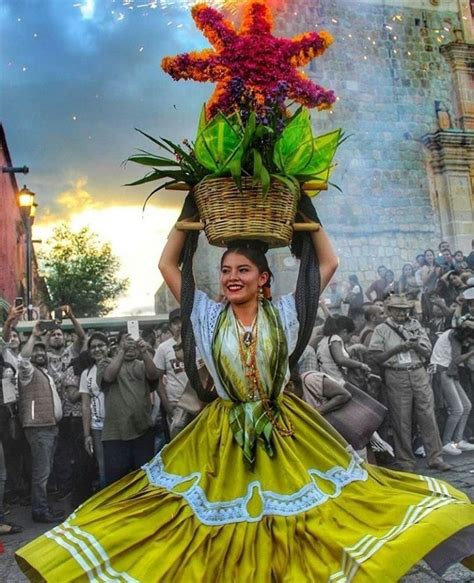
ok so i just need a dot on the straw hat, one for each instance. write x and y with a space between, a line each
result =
398 301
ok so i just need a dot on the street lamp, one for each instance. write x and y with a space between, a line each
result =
26 202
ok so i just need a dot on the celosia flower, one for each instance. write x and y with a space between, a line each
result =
252 60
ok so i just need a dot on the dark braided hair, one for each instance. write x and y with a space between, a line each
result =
306 304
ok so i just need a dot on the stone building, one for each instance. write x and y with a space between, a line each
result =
13 239
403 73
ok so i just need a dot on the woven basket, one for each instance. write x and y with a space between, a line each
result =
229 214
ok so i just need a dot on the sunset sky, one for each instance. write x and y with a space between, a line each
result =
77 78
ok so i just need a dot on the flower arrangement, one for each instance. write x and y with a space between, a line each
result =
246 128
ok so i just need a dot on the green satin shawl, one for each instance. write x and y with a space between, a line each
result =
247 417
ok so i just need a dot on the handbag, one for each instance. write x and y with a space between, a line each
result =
359 417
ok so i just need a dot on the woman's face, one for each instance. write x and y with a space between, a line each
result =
14 340
429 257
408 270
345 335
98 349
240 279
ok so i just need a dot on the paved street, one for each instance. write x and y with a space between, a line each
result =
462 476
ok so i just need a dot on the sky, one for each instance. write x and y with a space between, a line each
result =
77 77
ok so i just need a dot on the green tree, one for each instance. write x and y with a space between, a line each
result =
81 271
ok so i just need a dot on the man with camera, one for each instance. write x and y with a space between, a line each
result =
127 380
40 412
400 345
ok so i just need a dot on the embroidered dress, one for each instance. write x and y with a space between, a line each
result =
236 498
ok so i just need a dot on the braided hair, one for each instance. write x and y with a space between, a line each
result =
306 303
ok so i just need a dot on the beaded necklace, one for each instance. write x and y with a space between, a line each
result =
248 358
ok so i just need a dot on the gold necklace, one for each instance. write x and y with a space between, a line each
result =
249 363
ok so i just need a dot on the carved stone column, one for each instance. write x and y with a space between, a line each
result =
460 55
452 173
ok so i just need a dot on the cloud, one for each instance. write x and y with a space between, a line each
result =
76 198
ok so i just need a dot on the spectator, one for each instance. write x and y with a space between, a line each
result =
402 347
10 343
40 412
334 298
374 315
6 370
92 402
323 392
333 358
78 474
407 284
459 261
451 286
440 319
308 360
149 336
60 355
445 260
173 386
126 381
377 287
427 271
163 333
420 263
354 297
445 359
390 283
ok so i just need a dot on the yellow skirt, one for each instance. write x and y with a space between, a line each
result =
314 512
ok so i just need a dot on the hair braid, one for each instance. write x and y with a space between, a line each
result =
187 298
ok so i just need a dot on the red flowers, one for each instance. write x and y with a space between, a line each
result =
262 62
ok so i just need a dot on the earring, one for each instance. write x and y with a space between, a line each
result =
261 295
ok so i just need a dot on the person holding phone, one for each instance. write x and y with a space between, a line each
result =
127 381
402 347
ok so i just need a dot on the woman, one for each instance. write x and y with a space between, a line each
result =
445 359
258 486
354 297
333 358
92 400
407 283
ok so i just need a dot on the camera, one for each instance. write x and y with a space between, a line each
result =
18 302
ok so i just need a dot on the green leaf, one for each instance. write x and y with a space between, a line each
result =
152 161
216 144
236 172
249 130
294 148
147 178
325 147
169 183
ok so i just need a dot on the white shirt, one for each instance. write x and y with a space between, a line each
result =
88 385
176 377
442 353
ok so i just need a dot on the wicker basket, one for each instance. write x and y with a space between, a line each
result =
229 214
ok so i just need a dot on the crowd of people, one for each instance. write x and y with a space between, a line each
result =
78 413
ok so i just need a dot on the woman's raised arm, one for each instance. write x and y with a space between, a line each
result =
328 260
169 262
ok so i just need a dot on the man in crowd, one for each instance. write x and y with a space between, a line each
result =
127 381
172 387
378 286
60 355
40 412
10 344
401 345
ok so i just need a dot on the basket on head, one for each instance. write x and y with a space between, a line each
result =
229 214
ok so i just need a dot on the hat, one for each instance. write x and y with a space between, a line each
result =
468 294
470 282
174 314
398 301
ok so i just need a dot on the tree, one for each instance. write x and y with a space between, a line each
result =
81 271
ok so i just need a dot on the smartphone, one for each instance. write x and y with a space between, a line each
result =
133 330
48 325
18 302
58 315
